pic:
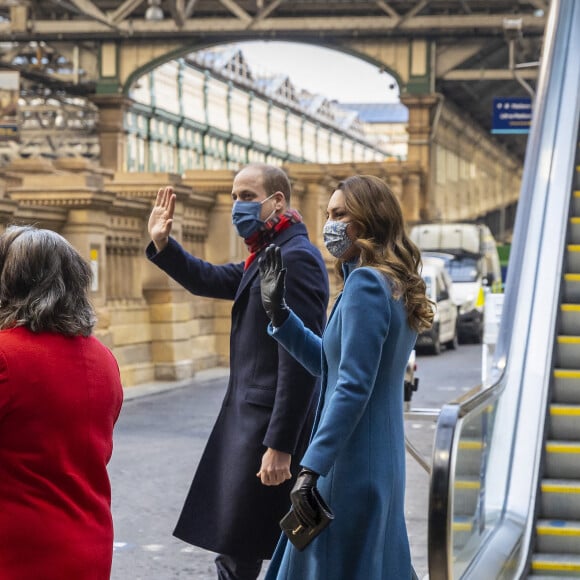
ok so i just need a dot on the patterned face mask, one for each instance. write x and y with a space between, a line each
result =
336 238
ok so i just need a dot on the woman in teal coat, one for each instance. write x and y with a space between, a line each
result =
356 457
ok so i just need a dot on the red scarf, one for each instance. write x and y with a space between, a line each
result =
268 232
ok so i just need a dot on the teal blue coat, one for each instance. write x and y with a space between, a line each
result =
357 444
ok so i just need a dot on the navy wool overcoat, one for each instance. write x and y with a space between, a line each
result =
270 400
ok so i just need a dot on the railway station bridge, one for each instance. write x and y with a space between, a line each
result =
93 146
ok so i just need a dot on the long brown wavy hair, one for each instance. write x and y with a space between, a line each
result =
383 243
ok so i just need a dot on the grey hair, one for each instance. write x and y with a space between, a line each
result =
44 283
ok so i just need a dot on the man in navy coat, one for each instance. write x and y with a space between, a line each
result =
241 488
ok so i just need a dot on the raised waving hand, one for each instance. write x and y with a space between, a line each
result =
161 218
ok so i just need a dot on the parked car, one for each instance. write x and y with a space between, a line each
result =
469 293
411 383
472 260
440 291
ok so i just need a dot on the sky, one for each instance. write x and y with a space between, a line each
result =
323 71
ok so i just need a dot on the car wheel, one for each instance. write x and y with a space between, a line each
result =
478 336
436 346
454 342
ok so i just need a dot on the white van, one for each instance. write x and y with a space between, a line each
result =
470 255
440 291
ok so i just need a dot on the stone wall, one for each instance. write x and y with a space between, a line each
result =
155 328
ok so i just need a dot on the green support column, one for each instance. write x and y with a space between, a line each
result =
228 157
108 82
421 77
302 149
179 145
317 141
418 95
180 69
269 124
151 163
286 134
250 124
113 106
206 77
422 113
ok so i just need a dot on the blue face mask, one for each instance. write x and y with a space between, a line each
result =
336 238
246 216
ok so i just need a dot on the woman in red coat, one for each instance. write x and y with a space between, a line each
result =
60 395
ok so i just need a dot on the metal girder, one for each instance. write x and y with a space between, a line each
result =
487 75
411 13
124 10
541 4
266 11
237 10
449 57
340 26
177 9
88 8
189 9
465 7
387 8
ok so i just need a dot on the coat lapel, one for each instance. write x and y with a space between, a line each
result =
247 278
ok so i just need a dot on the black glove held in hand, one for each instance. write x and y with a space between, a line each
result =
303 502
273 285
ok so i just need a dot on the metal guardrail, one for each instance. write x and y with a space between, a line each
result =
420 415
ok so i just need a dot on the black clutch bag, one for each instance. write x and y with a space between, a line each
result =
301 536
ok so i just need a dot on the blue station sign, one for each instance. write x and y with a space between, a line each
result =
511 115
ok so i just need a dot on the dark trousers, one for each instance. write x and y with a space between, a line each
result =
231 568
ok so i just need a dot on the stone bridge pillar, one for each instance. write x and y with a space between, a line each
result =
111 128
413 198
422 118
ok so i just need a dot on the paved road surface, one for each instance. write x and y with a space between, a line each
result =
158 442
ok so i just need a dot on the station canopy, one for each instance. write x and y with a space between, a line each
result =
481 48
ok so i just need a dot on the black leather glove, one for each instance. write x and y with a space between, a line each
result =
302 499
273 285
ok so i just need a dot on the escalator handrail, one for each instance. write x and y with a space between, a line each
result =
442 465
446 437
